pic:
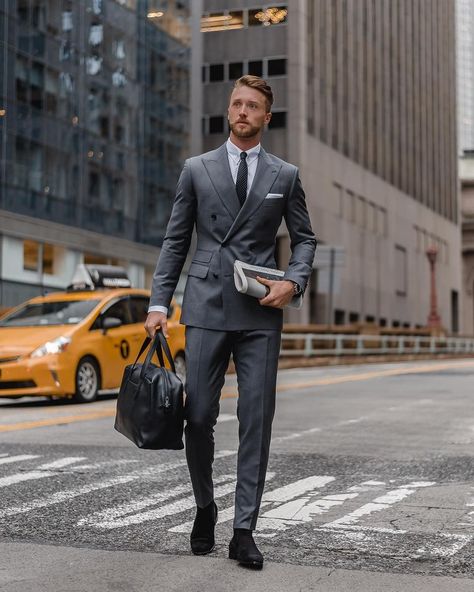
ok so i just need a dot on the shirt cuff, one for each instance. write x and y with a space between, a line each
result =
162 309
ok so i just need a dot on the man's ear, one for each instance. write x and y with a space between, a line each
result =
268 116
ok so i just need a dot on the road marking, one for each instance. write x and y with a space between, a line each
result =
231 394
57 421
300 510
135 506
17 458
223 515
380 503
168 510
226 417
20 477
367 540
296 435
66 495
46 470
300 487
105 463
455 544
61 463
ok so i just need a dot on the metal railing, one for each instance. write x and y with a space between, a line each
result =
315 344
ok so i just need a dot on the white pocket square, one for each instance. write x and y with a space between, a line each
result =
274 196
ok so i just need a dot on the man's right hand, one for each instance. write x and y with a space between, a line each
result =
154 321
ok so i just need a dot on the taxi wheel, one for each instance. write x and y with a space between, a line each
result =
87 380
180 365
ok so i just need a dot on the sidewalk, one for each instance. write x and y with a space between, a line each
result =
27 567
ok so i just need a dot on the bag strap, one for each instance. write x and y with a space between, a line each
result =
145 344
159 344
166 349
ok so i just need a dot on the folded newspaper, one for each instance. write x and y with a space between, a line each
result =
245 278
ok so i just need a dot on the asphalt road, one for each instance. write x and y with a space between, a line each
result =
370 487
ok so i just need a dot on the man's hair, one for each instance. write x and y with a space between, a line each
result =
258 84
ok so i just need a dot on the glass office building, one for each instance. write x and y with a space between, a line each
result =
94 113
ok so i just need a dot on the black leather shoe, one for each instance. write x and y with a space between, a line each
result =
202 535
243 549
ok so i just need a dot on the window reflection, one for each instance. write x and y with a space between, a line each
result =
96 34
67 20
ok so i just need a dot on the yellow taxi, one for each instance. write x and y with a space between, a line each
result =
77 342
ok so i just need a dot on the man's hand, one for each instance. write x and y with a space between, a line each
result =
279 293
154 321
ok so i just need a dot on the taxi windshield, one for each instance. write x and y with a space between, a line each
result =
64 312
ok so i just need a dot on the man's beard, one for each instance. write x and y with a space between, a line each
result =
248 131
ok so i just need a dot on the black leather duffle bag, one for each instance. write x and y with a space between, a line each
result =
150 402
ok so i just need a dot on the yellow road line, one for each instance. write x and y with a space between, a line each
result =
28 425
361 376
232 394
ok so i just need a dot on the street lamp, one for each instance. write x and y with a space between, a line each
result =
434 320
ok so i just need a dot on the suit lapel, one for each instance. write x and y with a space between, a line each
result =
265 176
221 178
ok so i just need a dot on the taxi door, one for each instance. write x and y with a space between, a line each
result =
115 348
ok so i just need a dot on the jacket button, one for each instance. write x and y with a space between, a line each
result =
213 217
216 276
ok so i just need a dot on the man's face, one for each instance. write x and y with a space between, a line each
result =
247 113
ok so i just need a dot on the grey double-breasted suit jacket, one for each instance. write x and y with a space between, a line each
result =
207 200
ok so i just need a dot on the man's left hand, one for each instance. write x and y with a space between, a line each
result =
280 292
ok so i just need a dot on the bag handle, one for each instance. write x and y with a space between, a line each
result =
159 344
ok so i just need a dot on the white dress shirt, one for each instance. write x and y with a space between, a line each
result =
233 153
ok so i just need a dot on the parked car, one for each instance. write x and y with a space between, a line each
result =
77 342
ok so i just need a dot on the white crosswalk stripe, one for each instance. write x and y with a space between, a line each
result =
381 503
18 458
111 514
224 515
163 511
355 520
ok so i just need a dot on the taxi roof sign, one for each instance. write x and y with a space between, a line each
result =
91 277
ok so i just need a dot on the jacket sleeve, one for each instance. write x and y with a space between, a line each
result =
302 239
176 242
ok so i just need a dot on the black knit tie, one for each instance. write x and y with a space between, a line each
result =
241 183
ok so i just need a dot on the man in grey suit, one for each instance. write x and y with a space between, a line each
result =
235 197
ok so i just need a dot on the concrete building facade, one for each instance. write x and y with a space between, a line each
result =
366 107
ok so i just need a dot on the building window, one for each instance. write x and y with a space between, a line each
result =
216 72
216 124
268 16
400 270
278 120
353 317
339 317
38 257
222 21
31 254
276 67
236 70
256 68
48 258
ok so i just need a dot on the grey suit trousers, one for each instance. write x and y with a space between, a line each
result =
255 354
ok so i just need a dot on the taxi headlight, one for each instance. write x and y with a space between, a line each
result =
51 347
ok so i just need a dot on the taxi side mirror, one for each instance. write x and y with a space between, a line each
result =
110 323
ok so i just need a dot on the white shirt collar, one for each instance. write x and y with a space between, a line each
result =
234 151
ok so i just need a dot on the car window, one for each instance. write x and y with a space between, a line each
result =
139 308
65 312
118 310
